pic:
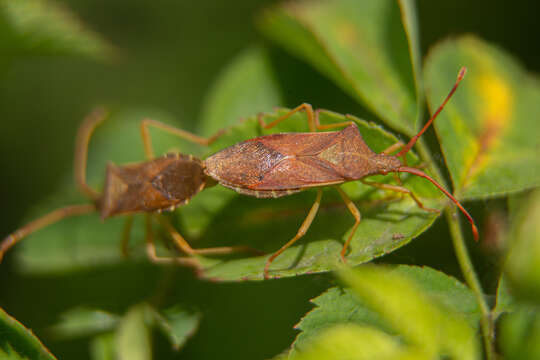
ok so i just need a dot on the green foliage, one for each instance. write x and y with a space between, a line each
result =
103 347
42 27
518 294
177 324
18 343
362 46
432 312
370 50
357 342
523 262
81 322
133 336
127 336
520 334
246 86
487 135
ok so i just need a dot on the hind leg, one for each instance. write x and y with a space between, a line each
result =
184 246
152 254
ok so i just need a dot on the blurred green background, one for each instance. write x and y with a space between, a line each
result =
170 53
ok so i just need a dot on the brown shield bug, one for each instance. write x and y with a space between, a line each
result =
277 165
158 184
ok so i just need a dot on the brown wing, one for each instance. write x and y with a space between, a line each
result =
292 161
162 183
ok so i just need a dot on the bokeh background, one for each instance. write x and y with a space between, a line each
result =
170 54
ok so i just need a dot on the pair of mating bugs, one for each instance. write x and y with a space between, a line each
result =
268 166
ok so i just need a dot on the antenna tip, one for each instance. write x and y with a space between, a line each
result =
475 232
462 73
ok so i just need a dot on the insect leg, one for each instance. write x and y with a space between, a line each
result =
312 117
400 189
330 126
186 135
184 246
356 213
301 232
305 106
126 234
82 140
151 250
389 150
42 222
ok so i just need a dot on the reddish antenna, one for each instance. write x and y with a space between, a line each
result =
425 176
411 143
417 172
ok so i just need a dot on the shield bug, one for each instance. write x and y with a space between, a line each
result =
277 165
149 187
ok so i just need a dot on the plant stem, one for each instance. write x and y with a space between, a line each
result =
463 257
471 278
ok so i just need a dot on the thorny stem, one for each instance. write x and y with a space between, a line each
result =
463 257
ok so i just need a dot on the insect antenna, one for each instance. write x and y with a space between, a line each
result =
411 143
420 173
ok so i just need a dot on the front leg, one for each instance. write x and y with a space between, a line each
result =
186 135
312 118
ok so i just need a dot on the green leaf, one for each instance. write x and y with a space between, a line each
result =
42 27
519 334
335 306
363 46
523 261
17 342
487 134
102 347
177 324
410 25
414 314
267 224
343 306
82 321
133 338
247 86
505 300
357 342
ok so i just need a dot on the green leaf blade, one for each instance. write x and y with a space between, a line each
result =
361 45
410 311
82 322
487 134
522 266
519 335
247 86
345 306
42 27
18 342
357 342
177 324
133 337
